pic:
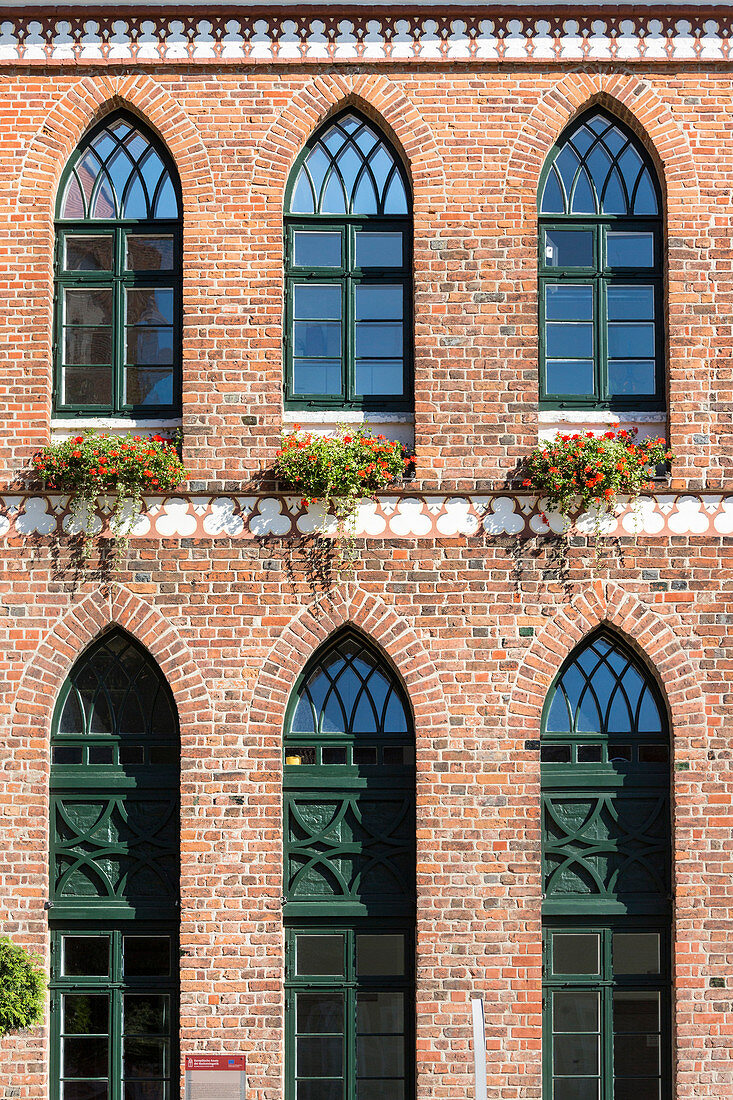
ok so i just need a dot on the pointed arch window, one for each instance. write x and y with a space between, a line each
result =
601 322
114 877
349 806
348 226
606 864
118 276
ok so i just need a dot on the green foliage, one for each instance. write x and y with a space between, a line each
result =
579 472
21 988
127 466
345 467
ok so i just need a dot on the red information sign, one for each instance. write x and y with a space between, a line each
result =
215 1077
215 1061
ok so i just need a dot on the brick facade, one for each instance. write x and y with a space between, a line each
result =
476 627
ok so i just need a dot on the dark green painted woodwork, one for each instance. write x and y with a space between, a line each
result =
114 1012
605 785
349 787
606 858
349 1012
349 805
607 1011
117 347
600 271
348 268
114 787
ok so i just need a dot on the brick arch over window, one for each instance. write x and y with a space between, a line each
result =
636 104
380 100
663 644
76 630
85 104
383 627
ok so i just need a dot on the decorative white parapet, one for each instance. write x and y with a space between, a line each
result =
82 33
390 516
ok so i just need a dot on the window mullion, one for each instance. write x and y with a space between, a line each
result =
118 322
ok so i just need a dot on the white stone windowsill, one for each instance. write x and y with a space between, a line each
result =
395 425
599 416
61 428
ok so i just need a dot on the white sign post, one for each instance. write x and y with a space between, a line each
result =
479 1047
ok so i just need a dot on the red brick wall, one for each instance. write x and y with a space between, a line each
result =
232 623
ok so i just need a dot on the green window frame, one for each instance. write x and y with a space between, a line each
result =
114 1012
606 1026
606 874
348 272
601 302
117 289
349 1012
114 854
350 876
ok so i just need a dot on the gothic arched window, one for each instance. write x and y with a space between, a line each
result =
606 865
114 877
601 322
118 276
349 806
348 225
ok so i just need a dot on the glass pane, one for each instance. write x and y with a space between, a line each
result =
317 339
637 1054
146 386
380 1013
575 1055
84 1090
380 956
575 1088
380 376
380 1056
101 754
149 346
568 341
629 249
653 754
575 1011
571 376
145 253
379 339
147 956
313 249
379 302
317 301
569 248
576 953
131 754
87 345
636 952
85 956
88 253
145 1057
378 249
649 1088
88 307
368 1089
365 755
319 1056
66 755
631 376
85 1014
320 1013
151 306
635 1013
145 1013
320 954
320 1090
334 755
568 302
630 303
632 341
589 754
555 754
318 376
85 1057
